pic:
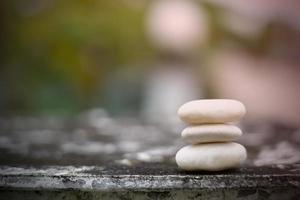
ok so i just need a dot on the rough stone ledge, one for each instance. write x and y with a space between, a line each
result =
92 178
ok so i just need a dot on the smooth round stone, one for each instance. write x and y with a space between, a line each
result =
211 156
211 133
211 111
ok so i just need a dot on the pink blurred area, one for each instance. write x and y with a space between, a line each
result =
252 55
269 88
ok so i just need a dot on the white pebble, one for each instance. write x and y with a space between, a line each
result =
211 111
211 156
211 133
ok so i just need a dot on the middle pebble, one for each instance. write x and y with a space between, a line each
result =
211 133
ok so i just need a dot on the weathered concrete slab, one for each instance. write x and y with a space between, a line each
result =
145 177
148 181
97 157
274 194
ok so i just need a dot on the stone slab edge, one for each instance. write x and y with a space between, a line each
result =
78 178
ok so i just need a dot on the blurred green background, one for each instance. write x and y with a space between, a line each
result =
57 56
64 57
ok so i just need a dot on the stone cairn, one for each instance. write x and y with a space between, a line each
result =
211 136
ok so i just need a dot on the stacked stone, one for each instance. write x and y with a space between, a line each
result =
211 136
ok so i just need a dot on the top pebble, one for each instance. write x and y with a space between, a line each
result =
211 111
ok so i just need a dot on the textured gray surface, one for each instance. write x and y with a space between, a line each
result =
94 156
141 178
148 181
